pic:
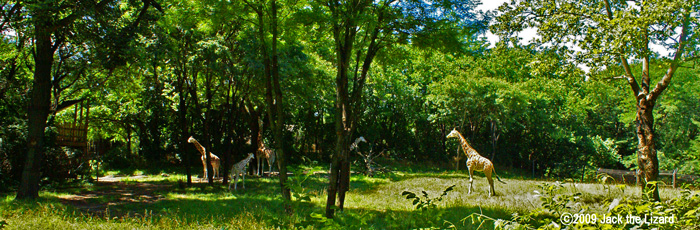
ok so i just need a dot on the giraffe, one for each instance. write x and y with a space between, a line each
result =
239 168
476 162
267 154
215 160
355 144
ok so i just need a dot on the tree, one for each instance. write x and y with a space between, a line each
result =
53 23
611 34
271 72
362 28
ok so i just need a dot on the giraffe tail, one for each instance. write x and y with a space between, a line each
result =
497 177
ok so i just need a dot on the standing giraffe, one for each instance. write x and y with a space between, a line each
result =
239 168
215 160
476 162
267 154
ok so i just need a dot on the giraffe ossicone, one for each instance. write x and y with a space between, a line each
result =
476 162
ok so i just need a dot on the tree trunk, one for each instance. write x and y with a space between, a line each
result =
348 105
646 149
278 106
228 125
39 108
207 121
337 174
342 119
494 139
182 122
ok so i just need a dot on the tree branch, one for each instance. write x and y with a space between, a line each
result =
666 80
628 70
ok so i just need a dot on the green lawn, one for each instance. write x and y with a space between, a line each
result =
157 202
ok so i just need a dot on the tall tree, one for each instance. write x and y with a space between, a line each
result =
271 72
53 22
611 34
360 29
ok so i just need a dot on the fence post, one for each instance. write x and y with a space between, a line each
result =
636 177
674 177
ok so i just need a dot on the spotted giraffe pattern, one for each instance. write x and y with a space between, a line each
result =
476 162
240 168
215 160
268 154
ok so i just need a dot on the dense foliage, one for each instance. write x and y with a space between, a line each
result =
196 69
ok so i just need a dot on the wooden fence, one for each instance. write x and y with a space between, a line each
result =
629 177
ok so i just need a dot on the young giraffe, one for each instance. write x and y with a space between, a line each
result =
476 162
240 168
267 154
215 160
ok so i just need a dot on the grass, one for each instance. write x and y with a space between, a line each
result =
374 203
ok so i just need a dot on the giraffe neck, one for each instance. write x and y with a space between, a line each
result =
246 160
354 145
357 142
468 150
199 147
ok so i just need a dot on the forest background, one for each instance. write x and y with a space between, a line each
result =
156 72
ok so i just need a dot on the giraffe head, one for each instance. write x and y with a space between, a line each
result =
191 140
361 138
251 155
453 134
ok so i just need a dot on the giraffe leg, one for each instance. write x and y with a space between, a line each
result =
243 180
471 181
269 172
229 183
263 167
492 192
216 169
204 170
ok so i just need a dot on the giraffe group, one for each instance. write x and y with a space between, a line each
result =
215 160
476 162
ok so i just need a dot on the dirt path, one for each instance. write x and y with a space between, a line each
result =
111 191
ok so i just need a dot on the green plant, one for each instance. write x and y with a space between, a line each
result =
3 224
342 220
606 180
680 213
296 183
480 219
556 204
426 202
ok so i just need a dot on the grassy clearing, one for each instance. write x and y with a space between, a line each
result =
157 202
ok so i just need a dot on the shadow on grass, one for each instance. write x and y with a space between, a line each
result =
269 211
168 204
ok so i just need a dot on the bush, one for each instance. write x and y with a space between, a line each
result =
557 209
13 143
